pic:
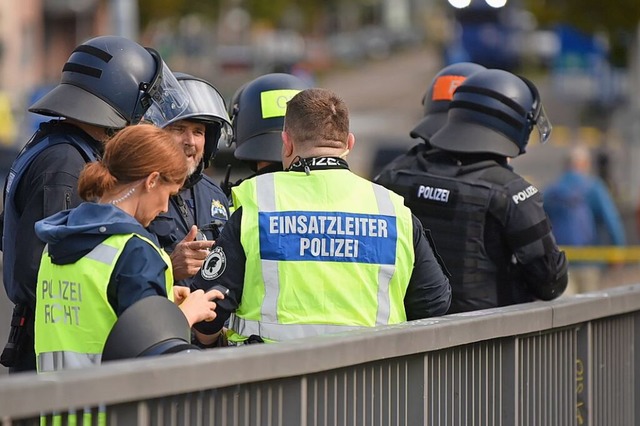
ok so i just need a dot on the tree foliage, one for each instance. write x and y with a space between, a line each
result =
618 20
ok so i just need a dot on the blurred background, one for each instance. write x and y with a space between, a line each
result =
379 55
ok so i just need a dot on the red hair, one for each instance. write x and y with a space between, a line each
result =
131 155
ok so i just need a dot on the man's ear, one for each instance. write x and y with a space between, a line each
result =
151 180
287 145
351 141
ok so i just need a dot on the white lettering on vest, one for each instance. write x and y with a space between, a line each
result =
524 194
432 193
333 247
331 225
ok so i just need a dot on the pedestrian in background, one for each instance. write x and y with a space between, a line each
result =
316 249
583 213
43 178
488 223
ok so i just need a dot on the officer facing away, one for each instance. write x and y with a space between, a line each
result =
436 105
43 179
198 212
257 115
488 222
316 249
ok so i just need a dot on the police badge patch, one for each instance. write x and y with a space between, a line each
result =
218 211
214 265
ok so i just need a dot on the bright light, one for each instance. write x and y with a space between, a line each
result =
460 4
496 3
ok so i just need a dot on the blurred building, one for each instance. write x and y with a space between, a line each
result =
36 38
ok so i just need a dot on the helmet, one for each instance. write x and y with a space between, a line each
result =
493 111
257 115
133 335
205 105
436 100
111 81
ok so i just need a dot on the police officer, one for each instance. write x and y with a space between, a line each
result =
43 178
436 105
100 261
487 221
257 111
316 249
198 212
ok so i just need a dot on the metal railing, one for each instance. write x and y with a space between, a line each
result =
573 361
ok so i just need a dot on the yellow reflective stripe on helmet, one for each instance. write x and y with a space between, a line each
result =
274 102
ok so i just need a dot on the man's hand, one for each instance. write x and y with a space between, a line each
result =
189 254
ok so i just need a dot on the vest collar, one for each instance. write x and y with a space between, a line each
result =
317 163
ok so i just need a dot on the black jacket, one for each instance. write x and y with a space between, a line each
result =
488 223
48 185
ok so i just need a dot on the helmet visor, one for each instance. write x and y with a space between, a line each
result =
543 125
226 134
168 99
207 105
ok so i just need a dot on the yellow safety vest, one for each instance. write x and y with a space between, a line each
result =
326 252
73 316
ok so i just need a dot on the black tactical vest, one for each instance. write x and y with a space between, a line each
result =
454 203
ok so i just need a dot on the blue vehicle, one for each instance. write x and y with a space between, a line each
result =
485 35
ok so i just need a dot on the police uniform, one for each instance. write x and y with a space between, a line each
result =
200 201
98 262
487 221
301 259
477 206
47 182
42 181
202 204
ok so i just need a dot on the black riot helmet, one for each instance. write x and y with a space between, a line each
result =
205 105
257 115
152 326
439 95
110 82
493 111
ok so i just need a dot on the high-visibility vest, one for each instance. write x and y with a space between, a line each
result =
326 252
73 316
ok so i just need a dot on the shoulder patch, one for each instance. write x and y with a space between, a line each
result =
217 210
214 265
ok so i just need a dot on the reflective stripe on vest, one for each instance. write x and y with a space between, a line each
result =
64 360
74 318
270 325
285 331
